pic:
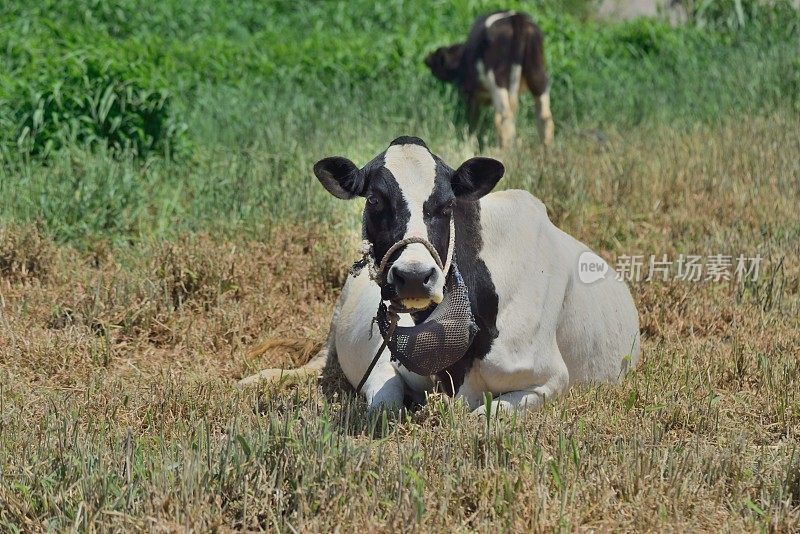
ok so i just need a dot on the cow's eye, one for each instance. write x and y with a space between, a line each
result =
447 207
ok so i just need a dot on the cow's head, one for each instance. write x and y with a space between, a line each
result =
444 61
409 192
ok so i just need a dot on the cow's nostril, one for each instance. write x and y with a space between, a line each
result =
430 275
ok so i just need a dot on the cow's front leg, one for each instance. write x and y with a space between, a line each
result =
385 388
504 124
473 105
503 111
553 378
526 399
504 120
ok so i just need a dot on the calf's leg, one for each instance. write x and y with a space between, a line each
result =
473 106
544 118
539 85
514 85
503 111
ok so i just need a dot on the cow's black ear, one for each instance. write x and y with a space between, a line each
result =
476 177
340 177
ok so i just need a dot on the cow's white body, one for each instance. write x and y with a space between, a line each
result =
554 329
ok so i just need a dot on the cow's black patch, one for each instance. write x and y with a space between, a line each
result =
438 208
408 140
386 214
482 294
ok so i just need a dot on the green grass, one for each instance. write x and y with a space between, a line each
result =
133 120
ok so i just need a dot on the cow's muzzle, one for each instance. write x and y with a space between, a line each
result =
414 282
411 283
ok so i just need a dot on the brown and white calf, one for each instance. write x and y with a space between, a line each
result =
501 58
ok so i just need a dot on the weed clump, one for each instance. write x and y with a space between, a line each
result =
25 254
187 273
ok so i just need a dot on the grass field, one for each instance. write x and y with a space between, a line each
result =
145 259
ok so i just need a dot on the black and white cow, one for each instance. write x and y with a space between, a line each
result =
541 327
502 56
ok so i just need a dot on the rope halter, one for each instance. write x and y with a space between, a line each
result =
378 272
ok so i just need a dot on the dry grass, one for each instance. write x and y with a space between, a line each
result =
195 306
116 365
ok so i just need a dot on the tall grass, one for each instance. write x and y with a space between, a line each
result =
144 119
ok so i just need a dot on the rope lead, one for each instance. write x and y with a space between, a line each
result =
393 323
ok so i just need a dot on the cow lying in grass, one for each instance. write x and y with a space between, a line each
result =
502 56
541 327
